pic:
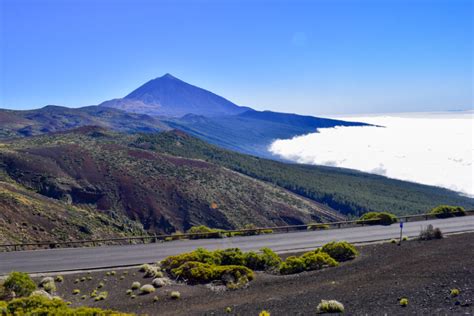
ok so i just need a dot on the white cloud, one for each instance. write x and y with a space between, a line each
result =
427 148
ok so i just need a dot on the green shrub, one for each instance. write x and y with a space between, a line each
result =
330 306
156 298
405 238
101 296
147 289
430 233
264 313
377 218
59 278
197 272
133 296
20 283
393 241
340 251
128 292
454 292
136 285
318 260
228 309
76 291
210 232
404 302
318 226
264 260
445 211
175 295
292 265
83 297
37 305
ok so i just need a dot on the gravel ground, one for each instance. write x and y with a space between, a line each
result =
424 272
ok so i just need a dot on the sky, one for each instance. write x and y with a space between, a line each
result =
307 57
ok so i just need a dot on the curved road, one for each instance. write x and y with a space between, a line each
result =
113 256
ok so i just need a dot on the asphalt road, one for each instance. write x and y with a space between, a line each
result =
114 256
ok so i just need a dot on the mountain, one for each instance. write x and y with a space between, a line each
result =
172 97
53 118
95 169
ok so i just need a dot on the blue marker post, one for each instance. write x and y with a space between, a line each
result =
401 231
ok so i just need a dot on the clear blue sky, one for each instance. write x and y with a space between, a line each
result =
312 57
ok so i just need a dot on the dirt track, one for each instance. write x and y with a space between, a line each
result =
424 272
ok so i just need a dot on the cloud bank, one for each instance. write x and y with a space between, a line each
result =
434 149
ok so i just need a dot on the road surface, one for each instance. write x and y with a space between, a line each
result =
53 260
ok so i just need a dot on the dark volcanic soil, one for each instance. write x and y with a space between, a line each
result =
424 272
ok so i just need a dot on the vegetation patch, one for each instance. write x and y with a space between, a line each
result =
206 231
230 275
313 260
330 306
38 305
430 233
377 218
175 295
19 283
340 251
446 211
404 302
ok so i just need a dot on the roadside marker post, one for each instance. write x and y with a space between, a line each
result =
401 230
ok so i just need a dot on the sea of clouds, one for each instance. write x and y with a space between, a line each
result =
429 148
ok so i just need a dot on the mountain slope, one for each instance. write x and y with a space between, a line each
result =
26 216
94 168
347 191
169 96
58 118
252 131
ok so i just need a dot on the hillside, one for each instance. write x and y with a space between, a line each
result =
26 216
348 191
252 132
172 97
96 169
59 118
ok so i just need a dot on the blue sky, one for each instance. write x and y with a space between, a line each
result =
311 57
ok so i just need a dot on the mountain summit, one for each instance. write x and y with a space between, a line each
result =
170 96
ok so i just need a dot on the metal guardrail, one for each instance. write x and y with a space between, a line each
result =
219 234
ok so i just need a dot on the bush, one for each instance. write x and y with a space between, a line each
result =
76 291
175 295
135 285
197 272
330 306
404 302
264 313
377 218
430 233
101 296
454 292
318 260
264 260
20 283
129 292
210 232
445 211
59 278
160 282
318 226
37 305
292 265
313 260
340 251
147 289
